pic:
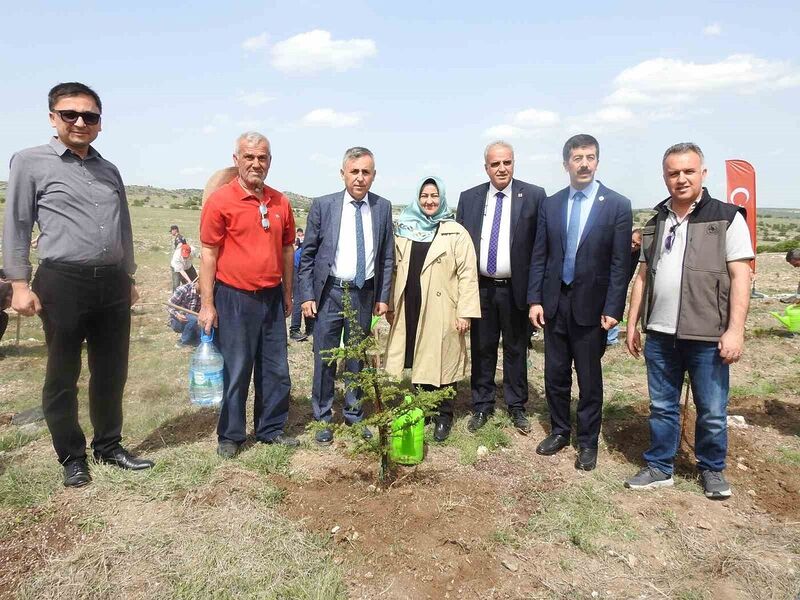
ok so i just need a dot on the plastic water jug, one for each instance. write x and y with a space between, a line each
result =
408 435
205 373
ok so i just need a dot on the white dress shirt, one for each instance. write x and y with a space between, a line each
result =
344 264
504 241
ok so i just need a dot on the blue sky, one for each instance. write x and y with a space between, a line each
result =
425 85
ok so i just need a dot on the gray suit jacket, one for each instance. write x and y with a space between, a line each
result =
322 239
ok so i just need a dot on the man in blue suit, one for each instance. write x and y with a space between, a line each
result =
500 216
577 287
348 243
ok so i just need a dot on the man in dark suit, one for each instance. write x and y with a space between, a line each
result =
348 243
500 216
578 283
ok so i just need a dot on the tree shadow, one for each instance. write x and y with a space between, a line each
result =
185 428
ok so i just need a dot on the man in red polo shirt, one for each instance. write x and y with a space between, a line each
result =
247 232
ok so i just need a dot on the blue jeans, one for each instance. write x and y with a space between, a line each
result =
667 360
190 330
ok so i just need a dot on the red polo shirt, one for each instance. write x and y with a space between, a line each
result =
249 257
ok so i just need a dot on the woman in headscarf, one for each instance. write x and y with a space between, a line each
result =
434 296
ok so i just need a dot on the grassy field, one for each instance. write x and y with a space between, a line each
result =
499 523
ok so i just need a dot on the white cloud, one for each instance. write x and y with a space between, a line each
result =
192 170
660 79
712 30
214 124
327 117
316 50
543 157
324 160
533 117
253 99
503 131
256 43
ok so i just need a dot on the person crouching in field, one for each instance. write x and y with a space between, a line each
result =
434 297
692 295
185 323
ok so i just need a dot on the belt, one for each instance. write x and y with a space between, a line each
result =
490 281
86 271
336 282
259 292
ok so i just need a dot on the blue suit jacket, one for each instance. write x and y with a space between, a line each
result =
601 263
525 201
322 239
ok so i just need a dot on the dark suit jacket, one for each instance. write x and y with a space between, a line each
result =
601 264
322 239
525 201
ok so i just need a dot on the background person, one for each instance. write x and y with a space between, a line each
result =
793 258
692 295
297 304
84 287
183 270
434 296
500 216
186 296
636 247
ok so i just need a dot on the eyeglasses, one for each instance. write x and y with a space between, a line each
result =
262 208
72 116
670 239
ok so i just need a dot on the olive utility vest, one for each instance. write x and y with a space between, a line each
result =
705 283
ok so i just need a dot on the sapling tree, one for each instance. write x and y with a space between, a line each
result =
382 396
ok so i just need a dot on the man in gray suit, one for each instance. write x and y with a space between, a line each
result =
348 243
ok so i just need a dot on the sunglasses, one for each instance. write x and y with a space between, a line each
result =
670 239
72 116
262 208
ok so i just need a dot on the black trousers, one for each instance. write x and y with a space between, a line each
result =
446 405
3 323
77 307
178 280
499 314
566 342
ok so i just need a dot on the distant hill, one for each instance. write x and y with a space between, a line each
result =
182 198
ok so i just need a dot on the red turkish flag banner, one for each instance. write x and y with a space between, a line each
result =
742 191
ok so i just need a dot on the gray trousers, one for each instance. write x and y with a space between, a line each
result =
328 334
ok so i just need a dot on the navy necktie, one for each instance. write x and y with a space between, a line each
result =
361 254
573 229
494 238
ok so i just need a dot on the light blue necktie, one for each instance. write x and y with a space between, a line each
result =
361 253
494 238
573 229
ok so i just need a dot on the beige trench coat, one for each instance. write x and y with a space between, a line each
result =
449 282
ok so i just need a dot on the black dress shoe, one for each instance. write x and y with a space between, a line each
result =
479 419
324 436
366 434
124 460
520 421
587 459
283 440
76 473
227 449
441 429
552 444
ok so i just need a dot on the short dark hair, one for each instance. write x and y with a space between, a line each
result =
174 227
793 254
70 89
299 230
580 141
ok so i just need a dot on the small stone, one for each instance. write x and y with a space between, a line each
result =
482 451
595 594
751 492
335 530
371 488
368 575
737 422
510 565
703 525
354 537
742 467
338 560
632 560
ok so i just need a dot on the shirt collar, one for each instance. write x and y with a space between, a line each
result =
493 191
348 198
242 194
688 212
58 146
589 192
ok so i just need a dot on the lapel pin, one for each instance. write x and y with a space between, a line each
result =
519 195
601 198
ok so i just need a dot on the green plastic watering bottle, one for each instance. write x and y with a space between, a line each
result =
408 434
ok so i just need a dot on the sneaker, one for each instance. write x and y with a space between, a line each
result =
283 440
298 337
649 478
714 485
